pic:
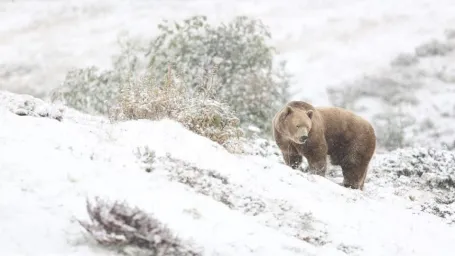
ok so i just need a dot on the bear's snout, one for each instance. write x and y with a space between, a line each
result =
303 138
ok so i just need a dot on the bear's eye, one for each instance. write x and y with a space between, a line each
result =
298 126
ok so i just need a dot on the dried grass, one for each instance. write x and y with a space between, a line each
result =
145 98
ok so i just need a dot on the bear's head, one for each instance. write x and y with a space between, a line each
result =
295 123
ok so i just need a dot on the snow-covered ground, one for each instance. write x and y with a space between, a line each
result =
52 159
325 42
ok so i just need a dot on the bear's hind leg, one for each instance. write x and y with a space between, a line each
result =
354 175
362 181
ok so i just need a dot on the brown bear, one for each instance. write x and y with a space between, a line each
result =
300 129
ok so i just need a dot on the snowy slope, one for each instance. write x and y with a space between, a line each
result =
325 42
51 159
226 204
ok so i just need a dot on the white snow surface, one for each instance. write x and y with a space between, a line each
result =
325 42
49 167
227 204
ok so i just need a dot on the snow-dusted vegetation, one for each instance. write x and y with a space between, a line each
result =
160 143
411 100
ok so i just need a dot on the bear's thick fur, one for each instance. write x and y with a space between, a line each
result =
300 130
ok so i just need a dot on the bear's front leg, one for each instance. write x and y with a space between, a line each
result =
290 154
294 160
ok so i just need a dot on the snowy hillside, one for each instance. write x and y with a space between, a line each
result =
220 203
390 61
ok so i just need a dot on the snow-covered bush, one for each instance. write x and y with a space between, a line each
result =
404 59
89 90
266 148
432 168
250 82
27 105
433 48
148 98
117 224
423 170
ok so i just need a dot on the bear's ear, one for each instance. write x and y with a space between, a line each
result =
310 113
288 111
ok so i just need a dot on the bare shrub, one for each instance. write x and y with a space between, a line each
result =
146 98
117 224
